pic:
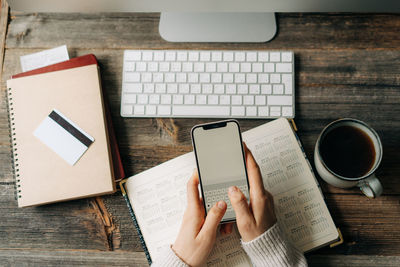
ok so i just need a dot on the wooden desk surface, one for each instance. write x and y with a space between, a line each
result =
346 66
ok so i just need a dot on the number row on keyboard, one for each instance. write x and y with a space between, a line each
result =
227 56
209 67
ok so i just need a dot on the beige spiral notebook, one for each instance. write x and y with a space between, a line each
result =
42 175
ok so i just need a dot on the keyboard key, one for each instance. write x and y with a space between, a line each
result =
151 110
216 56
287 56
195 89
161 88
243 89
230 89
181 56
269 67
216 77
158 56
263 111
275 78
178 99
146 77
219 89
205 56
225 100
236 100
207 88
257 67
240 78
130 98
262 56
228 56
251 78
127 109
205 77
164 66
279 100
237 111
251 56
158 77
283 67
211 67
245 67
193 77
212 99
201 99
176 67
139 110
266 89
147 56
187 66
248 100
183 88
227 78
164 110
275 111
142 99
172 88
251 111
148 88
129 66
275 56
132 77
234 67
133 55
263 78
181 77
153 66
240 56
277 89
287 111
200 110
260 100
166 99
194 56
199 67
222 67
170 56
189 99
254 89
169 77
133 87
154 99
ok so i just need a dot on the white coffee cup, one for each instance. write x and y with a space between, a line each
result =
368 183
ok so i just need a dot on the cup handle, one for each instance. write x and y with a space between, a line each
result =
371 186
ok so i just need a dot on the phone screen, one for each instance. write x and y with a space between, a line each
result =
220 161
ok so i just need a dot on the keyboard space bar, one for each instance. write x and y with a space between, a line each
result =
200 111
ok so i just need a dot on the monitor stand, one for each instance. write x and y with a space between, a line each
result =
217 27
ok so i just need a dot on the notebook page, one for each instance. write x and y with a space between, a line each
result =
299 205
158 198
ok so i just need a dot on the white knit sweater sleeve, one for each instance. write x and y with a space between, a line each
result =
273 249
169 259
269 249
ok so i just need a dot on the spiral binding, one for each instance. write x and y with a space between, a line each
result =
13 141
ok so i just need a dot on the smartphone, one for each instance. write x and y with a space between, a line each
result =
220 162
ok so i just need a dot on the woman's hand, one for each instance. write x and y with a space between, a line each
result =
197 234
254 219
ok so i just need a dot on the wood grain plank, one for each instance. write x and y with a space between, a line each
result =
3 31
140 30
70 225
352 260
36 257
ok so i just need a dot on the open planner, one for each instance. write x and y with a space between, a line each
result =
157 197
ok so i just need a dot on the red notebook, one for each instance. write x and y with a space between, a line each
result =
80 62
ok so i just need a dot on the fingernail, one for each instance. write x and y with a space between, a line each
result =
221 205
232 190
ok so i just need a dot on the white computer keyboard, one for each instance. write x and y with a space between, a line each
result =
208 84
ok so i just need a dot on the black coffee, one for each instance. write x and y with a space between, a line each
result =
348 151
